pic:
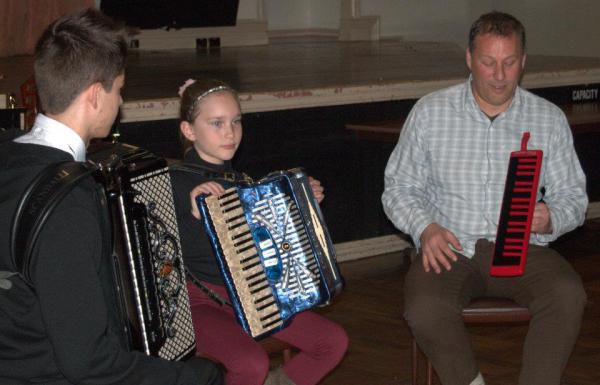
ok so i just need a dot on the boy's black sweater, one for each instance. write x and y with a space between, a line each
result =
64 332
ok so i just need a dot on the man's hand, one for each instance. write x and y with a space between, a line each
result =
542 221
207 188
435 248
317 189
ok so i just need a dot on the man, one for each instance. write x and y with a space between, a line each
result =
59 330
444 186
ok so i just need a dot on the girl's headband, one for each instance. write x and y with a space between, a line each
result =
193 105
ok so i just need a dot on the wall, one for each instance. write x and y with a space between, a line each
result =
249 9
324 13
420 19
555 27
302 14
561 27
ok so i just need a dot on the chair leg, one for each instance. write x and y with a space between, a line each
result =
415 365
415 362
287 355
429 373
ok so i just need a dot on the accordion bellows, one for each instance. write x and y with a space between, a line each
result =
273 249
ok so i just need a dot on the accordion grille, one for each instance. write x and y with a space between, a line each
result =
155 192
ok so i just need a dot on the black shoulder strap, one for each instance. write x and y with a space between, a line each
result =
210 174
10 134
41 197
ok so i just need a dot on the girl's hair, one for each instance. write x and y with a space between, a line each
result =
194 93
191 95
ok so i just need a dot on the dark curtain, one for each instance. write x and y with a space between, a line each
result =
172 13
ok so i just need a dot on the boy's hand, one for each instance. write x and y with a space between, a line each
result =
317 189
207 188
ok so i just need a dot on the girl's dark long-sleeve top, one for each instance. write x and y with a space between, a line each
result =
62 333
197 252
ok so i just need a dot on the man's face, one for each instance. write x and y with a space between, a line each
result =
496 64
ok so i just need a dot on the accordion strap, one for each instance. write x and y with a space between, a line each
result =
36 205
208 173
207 290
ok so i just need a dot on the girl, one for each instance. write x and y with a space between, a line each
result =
211 122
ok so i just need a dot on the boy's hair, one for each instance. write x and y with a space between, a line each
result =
75 52
499 24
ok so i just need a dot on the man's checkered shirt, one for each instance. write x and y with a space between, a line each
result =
450 164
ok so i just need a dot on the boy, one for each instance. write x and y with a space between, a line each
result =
59 331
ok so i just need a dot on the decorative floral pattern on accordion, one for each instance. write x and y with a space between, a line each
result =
289 251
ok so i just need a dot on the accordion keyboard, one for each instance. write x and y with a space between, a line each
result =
243 259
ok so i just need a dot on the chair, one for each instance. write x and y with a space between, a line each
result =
30 98
274 347
481 310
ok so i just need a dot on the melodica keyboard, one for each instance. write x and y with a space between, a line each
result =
514 227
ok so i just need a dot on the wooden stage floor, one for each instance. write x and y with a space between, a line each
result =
315 73
370 310
310 72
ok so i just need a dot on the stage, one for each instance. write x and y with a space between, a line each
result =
291 73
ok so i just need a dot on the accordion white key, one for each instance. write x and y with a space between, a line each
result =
273 249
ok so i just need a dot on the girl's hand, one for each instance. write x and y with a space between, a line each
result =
206 188
317 189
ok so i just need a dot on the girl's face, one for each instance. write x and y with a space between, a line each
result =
217 130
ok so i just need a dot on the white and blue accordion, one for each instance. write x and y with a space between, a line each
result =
273 249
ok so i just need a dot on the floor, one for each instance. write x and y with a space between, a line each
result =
371 311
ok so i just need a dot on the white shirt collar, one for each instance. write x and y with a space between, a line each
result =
52 133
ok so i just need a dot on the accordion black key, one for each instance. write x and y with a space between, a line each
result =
149 271
273 249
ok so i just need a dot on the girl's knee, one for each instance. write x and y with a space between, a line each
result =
249 367
338 341
330 344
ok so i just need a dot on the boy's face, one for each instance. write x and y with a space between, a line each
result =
109 103
217 130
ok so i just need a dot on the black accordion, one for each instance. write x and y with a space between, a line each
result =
273 249
149 272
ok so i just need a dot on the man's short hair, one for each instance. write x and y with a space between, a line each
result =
499 24
75 52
